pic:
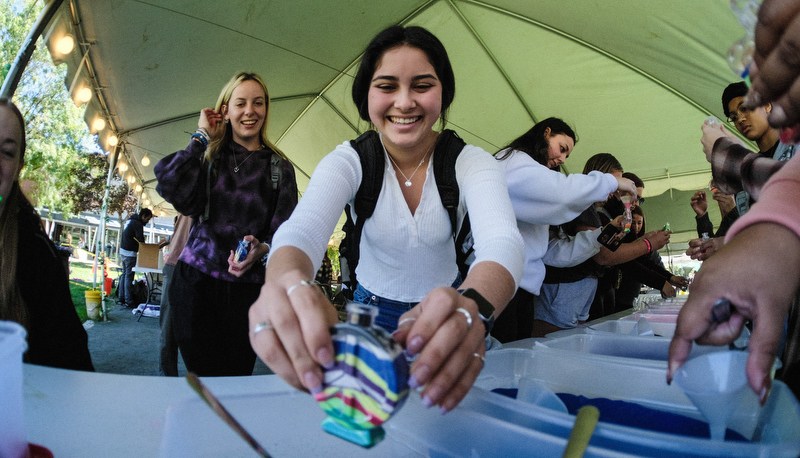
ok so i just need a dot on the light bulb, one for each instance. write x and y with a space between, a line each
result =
66 44
145 161
123 167
98 124
84 94
138 188
112 140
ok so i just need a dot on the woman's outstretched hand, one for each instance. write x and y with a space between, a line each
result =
449 344
290 322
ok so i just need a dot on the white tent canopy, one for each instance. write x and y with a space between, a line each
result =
635 78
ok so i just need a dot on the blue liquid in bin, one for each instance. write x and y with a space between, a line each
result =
637 416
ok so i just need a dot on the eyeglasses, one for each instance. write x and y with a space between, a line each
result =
640 199
735 115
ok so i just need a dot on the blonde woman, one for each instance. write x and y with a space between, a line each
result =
236 185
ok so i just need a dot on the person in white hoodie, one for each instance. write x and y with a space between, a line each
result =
543 196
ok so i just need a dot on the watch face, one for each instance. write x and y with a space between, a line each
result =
369 379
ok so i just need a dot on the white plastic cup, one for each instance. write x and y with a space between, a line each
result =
13 443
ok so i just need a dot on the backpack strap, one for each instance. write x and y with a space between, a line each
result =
370 153
209 171
275 169
448 147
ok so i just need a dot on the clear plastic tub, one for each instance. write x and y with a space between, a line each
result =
773 429
629 349
652 317
625 327
486 424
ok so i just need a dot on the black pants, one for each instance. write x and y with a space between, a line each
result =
516 321
209 318
605 296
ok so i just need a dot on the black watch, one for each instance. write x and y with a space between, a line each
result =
485 308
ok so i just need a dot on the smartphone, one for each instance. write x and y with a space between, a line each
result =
608 237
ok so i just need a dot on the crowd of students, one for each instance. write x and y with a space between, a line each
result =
543 258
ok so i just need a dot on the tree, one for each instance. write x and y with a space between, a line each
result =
58 139
91 172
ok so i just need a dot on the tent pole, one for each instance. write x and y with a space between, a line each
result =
101 228
26 51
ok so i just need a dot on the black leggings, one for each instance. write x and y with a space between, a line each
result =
209 318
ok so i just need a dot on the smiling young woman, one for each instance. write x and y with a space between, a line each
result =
223 179
407 265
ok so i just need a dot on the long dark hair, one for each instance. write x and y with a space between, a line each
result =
640 212
392 37
12 306
534 144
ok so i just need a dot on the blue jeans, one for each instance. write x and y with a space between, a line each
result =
389 310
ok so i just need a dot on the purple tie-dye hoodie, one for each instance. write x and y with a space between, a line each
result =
240 204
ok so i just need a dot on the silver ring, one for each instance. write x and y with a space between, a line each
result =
467 316
263 326
478 355
404 321
302 283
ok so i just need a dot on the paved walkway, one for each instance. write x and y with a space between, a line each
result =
122 345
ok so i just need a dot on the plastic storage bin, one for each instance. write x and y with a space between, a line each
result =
774 429
652 317
625 327
623 348
487 424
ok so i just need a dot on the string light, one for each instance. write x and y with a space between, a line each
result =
66 44
84 94
98 124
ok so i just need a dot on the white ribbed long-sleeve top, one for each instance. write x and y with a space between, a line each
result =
404 256
542 197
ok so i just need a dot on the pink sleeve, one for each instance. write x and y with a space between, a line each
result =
779 201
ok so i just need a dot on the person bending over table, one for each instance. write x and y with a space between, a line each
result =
403 86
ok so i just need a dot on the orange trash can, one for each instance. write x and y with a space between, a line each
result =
109 283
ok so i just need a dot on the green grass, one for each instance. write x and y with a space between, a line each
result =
80 281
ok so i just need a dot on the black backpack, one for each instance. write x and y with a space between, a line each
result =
370 152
